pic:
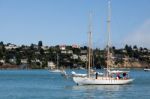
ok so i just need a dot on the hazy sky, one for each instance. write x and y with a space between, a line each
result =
66 22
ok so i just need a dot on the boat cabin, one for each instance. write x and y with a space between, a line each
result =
119 74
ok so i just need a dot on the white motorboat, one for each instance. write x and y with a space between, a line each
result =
55 70
146 69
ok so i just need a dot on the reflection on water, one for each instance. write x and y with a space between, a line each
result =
98 87
102 91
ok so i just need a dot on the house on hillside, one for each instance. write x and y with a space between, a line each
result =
63 51
83 52
12 60
45 47
11 46
69 52
2 61
62 47
83 58
75 46
51 65
74 56
24 61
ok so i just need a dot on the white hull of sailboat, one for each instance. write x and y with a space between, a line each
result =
56 71
101 81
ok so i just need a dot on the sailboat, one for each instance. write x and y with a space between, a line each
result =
56 70
116 77
146 69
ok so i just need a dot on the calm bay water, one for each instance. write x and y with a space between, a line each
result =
41 84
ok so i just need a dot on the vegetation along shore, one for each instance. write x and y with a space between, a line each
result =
37 56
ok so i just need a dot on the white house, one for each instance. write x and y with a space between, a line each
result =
12 60
74 56
63 52
11 46
45 47
83 52
2 61
83 58
51 65
70 52
24 61
62 47
75 46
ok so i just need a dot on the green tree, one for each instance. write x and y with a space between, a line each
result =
41 51
135 47
18 59
32 47
40 43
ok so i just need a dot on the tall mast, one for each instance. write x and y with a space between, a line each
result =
108 31
89 43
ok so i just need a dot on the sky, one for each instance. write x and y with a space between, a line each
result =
65 22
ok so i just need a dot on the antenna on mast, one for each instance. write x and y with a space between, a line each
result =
89 43
108 30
